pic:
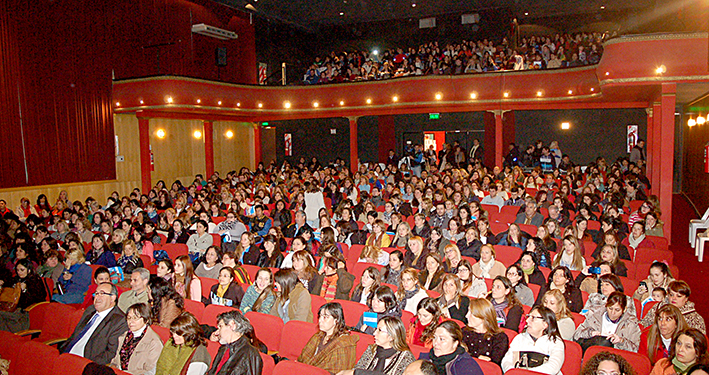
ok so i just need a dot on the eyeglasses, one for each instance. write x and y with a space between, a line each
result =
532 317
129 317
102 294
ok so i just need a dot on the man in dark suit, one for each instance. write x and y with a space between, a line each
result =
530 215
296 229
96 335
476 152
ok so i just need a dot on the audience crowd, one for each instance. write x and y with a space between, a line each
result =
452 263
535 52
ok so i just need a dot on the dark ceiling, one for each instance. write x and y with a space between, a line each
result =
311 14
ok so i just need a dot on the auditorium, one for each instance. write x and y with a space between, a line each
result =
343 187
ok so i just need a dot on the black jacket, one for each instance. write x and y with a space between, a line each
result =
103 344
244 359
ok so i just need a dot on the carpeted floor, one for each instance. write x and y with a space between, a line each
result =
696 274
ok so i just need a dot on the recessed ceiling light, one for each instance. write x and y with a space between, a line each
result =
539 93
413 5
473 95
603 7
316 104
526 13
342 13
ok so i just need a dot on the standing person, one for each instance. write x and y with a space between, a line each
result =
332 348
539 348
637 153
236 355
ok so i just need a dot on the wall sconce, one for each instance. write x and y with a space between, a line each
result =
169 99
701 120
565 125
439 96
197 134
473 95
691 122
160 133
286 105
229 134
506 94
661 69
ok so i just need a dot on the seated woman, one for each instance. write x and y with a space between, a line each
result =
230 259
416 255
611 238
678 295
166 303
389 355
689 347
507 307
454 304
100 254
660 276
187 284
166 270
562 279
539 348
653 225
373 254
383 303
485 234
611 327
607 363
210 267
271 256
51 268
32 291
333 283
529 264
76 278
571 255
332 348
303 267
403 234
609 253
186 351
259 297
369 282
227 292
522 291
140 347
200 241
513 238
452 258
431 276
436 243
177 233
448 353
536 246
483 336
391 274
472 286
470 244
454 232
424 323
293 301
656 343
143 246
410 293
607 284
590 283
555 301
130 259
488 267
636 238
116 242
379 238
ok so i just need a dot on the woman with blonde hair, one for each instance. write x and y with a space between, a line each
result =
488 267
453 258
416 255
454 304
570 256
482 335
555 301
389 355
410 293
373 254
403 233
304 268
130 259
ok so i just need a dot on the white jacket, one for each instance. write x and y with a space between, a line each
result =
524 343
313 203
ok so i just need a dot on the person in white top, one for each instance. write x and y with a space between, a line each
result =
540 348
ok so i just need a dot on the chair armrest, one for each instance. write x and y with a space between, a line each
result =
33 333
28 309
56 342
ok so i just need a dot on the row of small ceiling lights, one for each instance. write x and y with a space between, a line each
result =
197 134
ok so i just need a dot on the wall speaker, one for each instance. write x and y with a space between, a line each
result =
221 56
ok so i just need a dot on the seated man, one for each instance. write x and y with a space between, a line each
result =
96 336
493 198
236 356
138 292
530 215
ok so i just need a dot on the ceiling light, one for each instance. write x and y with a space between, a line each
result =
701 120
238 104
526 13
342 13
691 122
229 134
413 5
571 92
169 99
506 94
603 7
197 134
118 104
473 95
219 102
565 125
375 52
539 93
260 105
439 96
342 102
316 104
660 69
608 73
160 133
369 101
141 101
395 98
286 105
199 101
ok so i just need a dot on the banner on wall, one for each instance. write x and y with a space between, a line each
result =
262 73
632 137
289 144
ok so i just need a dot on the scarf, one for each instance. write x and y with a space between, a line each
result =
173 358
329 287
635 242
529 271
500 311
486 267
381 356
442 361
409 294
128 347
221 290
680 368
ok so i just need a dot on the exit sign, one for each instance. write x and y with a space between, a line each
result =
434 116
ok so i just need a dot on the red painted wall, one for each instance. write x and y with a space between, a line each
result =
387 138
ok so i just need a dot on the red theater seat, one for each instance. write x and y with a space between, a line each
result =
69 364
296 368
194 307
489 368
43 355
268 328
294 337
211 312
572 358
640 363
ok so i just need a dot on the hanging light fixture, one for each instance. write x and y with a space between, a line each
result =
691 122
701 120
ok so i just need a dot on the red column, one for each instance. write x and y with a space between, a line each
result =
145 162
654 148
499 143
648 145
387 140
257 145
489 139
209 148
354 157
667 155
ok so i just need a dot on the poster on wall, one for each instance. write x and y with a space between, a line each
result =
289 144
632 137
262 73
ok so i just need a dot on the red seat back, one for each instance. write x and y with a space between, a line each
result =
363 343
292 367
578 318
648 255
510 333
194 307
251 270
489 368
639 362
175 250
508 255
207 284
163 332
268 364
315 302
295 335
55 322
45 355
268 328
359 267
572 358
353 311
416 350
211 312
69 364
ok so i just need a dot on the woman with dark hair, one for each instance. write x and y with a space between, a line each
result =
507 307
210 267
259 296
369 282
333 282
431 276
522 291
303 267
227 292
187 284
678 293
100 254
422 326
607 284
482 335
382 301
539 348
391 274
449 354
389 355
186 351
332 348
177 233
689 347
529 264
166 270
271 255
607 363
166 303
536 245
281 215
51 267
656 343
660 276
32 291
562 279
454 304
472 286
610 327
293 302
139 348
513 237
